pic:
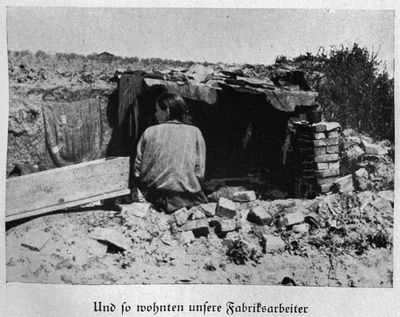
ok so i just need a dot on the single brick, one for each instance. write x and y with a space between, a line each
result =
334 165
259 215
187 236
332 149
199 227
293 218
320 150
226 208
333 134
322 166
326 158
319 136
181 216
326 142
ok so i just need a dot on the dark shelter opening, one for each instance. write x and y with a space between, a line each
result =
245 125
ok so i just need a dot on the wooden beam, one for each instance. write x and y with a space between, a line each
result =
65 187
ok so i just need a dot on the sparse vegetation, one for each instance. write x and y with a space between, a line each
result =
351 88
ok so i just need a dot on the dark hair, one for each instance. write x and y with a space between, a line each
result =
174 103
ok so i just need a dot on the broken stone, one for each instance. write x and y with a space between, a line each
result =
345 184
259 215
273 243
110 236
301 228
136 209
293 218
181 216
209 209
35 239
326 158
226 208
362 181
199 227
244 196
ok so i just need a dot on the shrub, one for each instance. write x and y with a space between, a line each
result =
351 89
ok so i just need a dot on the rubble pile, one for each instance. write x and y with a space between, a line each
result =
239 239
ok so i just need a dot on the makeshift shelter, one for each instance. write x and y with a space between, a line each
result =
244 120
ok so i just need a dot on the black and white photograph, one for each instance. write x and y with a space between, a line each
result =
200 145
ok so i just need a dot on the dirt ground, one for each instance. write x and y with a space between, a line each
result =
348 249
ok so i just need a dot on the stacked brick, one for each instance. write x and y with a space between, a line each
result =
317 151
